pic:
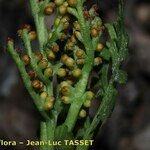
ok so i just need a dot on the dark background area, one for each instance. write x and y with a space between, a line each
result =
129 126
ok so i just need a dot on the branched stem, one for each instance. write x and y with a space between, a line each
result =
60 79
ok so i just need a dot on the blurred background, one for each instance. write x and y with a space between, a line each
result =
129 126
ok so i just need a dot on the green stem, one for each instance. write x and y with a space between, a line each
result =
47 134
78 100
26 79
39 23
50 133
43 135
72 115
34 65
81 85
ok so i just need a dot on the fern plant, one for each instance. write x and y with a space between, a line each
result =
58 76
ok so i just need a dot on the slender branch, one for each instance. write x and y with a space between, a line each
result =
26 79
39 23
34 65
